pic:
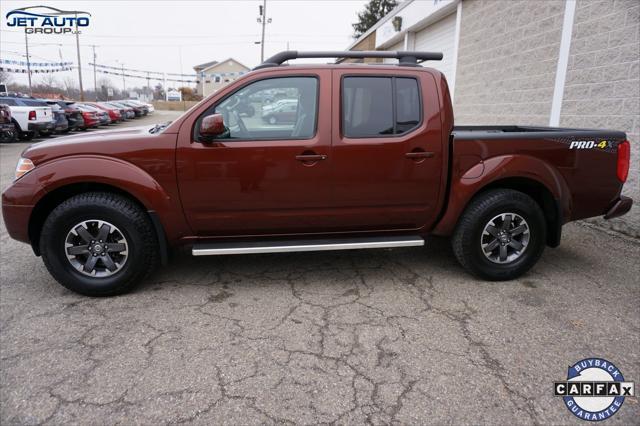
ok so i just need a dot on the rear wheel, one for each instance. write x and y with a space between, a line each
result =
501 235
99 244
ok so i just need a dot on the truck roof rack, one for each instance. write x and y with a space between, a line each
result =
405 58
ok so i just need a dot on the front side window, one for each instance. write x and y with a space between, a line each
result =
275 108
379 106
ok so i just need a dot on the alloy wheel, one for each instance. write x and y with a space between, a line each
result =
96 248
505 238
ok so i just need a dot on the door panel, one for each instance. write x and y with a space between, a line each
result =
257 187
386 182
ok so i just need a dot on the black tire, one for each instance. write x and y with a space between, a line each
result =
134 224
22 135
9 136
466 240
26 136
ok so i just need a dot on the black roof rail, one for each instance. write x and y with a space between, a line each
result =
405 58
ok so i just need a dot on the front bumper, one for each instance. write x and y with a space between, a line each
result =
620 207
16 220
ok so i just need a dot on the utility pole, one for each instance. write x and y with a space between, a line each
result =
61 62
26 45
79 63
95 78
264 21
124 87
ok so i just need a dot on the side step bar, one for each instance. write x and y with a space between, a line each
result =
286 246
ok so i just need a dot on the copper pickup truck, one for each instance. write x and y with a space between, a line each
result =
307 158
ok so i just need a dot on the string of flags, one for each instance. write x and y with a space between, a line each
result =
16 66
35 71
119 71
120 74
109 67
36 64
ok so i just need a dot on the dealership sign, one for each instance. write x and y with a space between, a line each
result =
47 20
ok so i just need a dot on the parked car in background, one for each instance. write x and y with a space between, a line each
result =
8 132
29 116
59 118
121 109
71 111
129 112
279 103
103 116
139 110
148 108
114 113
286 112
90 117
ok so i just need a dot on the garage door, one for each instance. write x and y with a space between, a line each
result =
439 37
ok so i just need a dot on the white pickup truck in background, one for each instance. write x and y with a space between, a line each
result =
30 116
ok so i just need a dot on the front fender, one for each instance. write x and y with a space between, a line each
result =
115 172
484 173
105 170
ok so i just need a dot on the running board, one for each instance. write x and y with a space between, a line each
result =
286 246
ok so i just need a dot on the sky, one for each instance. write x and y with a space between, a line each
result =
173 36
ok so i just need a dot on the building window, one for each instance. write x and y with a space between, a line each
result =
217 79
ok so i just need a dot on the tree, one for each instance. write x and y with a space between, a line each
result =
188 94
104 84
372 13
49 80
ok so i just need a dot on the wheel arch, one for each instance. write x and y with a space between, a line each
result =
523 173
541 195
54 198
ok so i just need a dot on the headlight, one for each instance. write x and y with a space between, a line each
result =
23 167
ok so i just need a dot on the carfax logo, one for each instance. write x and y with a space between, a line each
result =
594 390
47 20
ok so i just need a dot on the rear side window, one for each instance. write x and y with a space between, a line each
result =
379 106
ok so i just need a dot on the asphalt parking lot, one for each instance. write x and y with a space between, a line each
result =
399 336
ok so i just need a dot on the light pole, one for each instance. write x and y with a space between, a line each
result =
262 19
79 63
124 89
95 78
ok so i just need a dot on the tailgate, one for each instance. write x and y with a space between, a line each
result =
43 114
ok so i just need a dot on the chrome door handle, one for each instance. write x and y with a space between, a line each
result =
416 155
310 157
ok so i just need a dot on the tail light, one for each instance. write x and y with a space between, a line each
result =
624 153
32 115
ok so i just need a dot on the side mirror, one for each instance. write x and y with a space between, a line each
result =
211 126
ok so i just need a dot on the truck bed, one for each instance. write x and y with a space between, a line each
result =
583 162
530 132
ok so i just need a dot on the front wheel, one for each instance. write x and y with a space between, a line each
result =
501 235
8 136
99 244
